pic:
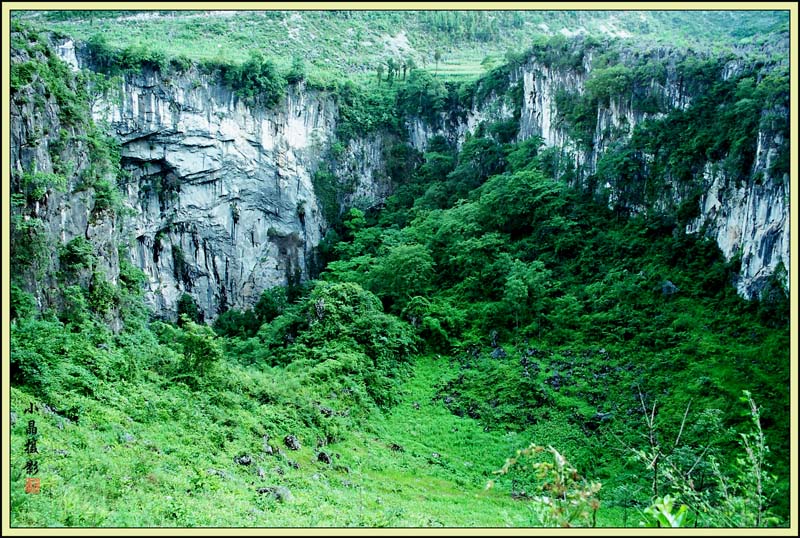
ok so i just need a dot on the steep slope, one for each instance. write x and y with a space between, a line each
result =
225 195
599 109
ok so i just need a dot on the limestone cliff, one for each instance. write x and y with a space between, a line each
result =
221 191
747 215
223 199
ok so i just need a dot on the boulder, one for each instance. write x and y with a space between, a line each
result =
280 493
291 442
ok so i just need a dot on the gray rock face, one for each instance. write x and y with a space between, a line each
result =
222 192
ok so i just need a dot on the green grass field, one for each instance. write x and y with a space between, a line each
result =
141 456
356 42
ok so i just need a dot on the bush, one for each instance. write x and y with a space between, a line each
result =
236 323
23 304
187 309
77 254
257 80
561 496
201 354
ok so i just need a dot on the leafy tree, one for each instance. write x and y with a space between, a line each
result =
404 272
271 304
235 323
423 96
257 79
297 73
201 354
353 221
516 202
187 307
23 304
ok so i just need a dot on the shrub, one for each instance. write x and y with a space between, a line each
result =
187 309
562 497
201 354
77 254
23 304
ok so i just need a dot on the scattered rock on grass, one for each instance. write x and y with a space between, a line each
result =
243 460
291 442
281 493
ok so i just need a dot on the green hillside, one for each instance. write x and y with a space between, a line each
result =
466 42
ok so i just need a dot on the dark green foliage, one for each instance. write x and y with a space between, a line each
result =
346 311
180 269
773 300
29 245
187 309
423 96
22 74
106 59
103 169
201 353
103 296
479 158
256 80
35 185
495 82
363 110
77 254
75 309
131 278
297 73
136 58
236 323
271 304
401 162
180 64
325 184
562 53
23 304
504 131
405 272
519 202
245 324
107 198
610 83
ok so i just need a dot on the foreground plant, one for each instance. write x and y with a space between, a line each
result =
562 497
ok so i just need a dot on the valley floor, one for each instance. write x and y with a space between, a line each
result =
418 466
